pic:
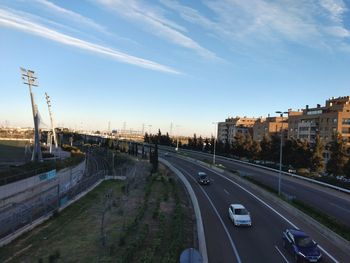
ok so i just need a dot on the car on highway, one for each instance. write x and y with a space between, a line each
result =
302 247
203 178
239 215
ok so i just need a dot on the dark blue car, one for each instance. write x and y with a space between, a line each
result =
303 248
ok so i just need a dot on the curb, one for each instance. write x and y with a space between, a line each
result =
199 222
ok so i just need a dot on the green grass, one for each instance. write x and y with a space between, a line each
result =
151 222
74 232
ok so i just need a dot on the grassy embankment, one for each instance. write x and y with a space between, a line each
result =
147 218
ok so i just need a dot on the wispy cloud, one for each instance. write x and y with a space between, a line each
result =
11 20
261 22
336 9
152 19
72 15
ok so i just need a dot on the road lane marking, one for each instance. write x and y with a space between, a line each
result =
218 215
267 205
279 251
226 191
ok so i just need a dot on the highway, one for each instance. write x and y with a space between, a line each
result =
329 201
260 243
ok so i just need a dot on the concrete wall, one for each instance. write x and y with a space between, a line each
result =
24 189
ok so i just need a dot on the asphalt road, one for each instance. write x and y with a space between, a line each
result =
329 201
260 243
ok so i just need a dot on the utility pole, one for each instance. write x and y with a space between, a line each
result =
29 78
48 101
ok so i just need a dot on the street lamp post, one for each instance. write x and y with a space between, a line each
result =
177 137
214 143
281 146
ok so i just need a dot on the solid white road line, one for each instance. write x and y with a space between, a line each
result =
279 251
218 215
267 205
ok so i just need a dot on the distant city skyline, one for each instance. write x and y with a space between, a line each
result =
190 63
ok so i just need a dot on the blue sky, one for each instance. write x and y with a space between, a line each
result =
159 62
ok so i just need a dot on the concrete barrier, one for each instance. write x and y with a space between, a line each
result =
199 222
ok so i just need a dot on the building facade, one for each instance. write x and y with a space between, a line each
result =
269 126
326 121
228 129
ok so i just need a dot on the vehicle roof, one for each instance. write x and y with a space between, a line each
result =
297 232
202 173
237 206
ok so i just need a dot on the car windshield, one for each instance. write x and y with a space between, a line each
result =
241 211
305 242
203 176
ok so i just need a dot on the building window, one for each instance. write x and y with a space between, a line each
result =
346 122
334 120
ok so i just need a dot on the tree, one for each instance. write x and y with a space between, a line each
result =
275 148
256 150
302 154
155 160
339 156
146 138
266 148
200 144
247 146
238 145
207 145
347 169
227 148
317 160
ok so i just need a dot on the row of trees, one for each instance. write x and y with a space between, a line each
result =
296 153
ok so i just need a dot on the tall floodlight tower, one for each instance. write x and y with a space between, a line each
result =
29 78
53 128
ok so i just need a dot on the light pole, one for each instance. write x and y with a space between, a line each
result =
29 78
215 132
177 137
281 145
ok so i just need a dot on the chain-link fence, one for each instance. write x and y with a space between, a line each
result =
18 215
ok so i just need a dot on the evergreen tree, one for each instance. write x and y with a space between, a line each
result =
347 169
146 138
266 148
207 145
275 148
247 146
302 154
238 145
256 150
200 144
227 148
339 156
317 160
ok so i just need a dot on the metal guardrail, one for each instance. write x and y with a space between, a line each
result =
270 169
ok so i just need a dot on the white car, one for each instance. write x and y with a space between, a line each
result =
239 215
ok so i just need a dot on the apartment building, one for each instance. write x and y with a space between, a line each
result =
269 126
326 120
228 129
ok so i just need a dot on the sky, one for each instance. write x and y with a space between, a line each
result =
189 63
